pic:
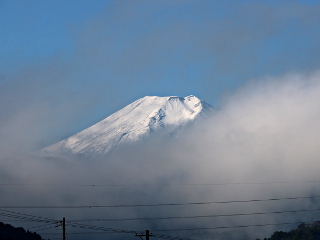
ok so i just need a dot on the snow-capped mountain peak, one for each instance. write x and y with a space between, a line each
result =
134 122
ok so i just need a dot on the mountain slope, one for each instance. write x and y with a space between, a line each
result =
134 122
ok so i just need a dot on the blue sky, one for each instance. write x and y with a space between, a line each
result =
64 65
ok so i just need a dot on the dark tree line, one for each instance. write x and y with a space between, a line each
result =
8 232
302 232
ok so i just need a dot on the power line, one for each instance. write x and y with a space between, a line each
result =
40 219
194 229
65 184
42 227
15 233
105 232
114 230
176 184
52 221
26 217
13 220
228 227
197 216
165 204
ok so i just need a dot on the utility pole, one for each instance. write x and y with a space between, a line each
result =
63 225
63 229
147 235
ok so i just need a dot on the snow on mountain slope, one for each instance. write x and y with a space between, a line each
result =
132 123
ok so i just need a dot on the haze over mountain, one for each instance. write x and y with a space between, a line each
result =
261 144
140 119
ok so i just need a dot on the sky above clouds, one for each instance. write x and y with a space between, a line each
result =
67 65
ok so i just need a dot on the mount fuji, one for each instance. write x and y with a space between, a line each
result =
135 122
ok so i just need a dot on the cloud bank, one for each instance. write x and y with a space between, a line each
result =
261 144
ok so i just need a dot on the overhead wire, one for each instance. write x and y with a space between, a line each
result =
29 217
197 216
228 227
165 204
194 229
36 228
23 216
53 221
114 230
162 236
178 184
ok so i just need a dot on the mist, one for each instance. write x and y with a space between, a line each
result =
262 143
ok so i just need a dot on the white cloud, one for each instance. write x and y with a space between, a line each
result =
264 133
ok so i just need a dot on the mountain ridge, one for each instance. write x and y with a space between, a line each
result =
136 121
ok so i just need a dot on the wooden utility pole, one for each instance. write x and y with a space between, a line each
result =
63 229
147 235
